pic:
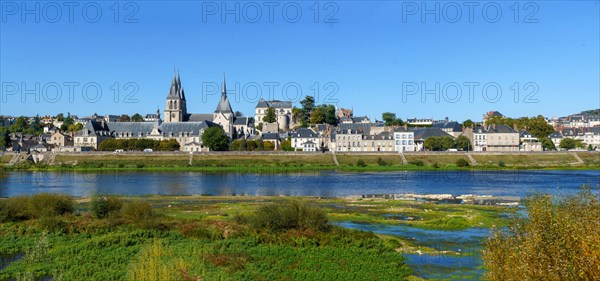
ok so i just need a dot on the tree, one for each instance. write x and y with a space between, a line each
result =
547 144
4 138
66 123
330 117
270 117
137 118
215 139
19 126
438 143
467 123
286 145
390 119
60 117
317 116
554 238
308 105
238 113
297 114
463 143
567 143
75 127
269 145
124 118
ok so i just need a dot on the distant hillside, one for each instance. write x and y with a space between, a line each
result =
591 112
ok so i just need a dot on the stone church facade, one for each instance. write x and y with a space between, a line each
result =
178 124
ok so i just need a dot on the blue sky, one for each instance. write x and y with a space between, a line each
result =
368 56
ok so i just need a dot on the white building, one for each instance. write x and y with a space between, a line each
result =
305 138
404 140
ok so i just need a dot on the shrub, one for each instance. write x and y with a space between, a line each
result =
361 163
137 211
417 163
103 206
436 165
558 240
501 164
47 204
290 215
462 163
381 162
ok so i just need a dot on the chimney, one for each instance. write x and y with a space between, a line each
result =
405 126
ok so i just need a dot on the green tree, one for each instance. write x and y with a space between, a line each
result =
390 119
330 117
215 139
467 123
567 143
547 144
297 115
463 143
270 117
317 116
60 117
238 113
124 118
308 105
19 126
439 143
137 118
286 145
5 141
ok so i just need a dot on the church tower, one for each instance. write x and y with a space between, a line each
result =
224 115
176 109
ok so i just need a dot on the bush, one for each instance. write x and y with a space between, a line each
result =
381 162
137 211
501 164
103 206
436 165
462 163
417 163
290 215
558 240
361 163
38 206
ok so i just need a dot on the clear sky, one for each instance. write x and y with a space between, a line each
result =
372 56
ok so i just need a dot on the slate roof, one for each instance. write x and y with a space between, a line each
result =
453 126
499 129
270 136
360 119
199 117
224 105
273 103
241 121
365 128
144 128
555 135
422 134
304 133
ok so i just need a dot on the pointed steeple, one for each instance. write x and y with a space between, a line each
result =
224 105
173 91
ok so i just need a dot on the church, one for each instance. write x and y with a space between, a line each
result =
178 124
176 111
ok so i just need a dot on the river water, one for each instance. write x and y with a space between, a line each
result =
319 183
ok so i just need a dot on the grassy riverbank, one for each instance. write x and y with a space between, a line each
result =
225 238
264 163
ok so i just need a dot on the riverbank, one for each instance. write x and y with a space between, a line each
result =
298 162
209 237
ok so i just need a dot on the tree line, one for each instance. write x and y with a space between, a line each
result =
139 144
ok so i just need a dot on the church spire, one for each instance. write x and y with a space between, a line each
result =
223 88
224 105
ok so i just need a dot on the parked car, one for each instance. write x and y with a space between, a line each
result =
118 150
148 150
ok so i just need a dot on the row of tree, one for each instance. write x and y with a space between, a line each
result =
310 113
447 142
251 145
138 145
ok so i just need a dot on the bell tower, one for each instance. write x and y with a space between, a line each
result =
176 109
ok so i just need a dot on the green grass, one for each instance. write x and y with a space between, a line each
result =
257 163
191 237
527 160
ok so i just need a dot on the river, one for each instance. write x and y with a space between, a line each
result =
324 184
